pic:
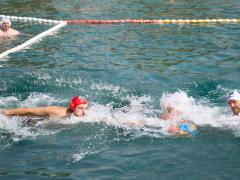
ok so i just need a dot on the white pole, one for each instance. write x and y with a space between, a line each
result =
33 40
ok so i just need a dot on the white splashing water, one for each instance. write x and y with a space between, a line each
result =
15 126
40 99
18 131
4 102
83 154
135 116
202 112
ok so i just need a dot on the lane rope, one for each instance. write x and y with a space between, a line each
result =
156 21
59 24
31 19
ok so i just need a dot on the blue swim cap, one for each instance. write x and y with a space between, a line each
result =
189 128
185 127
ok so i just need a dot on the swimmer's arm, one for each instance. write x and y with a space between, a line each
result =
29 35
26 112
137 123
175 130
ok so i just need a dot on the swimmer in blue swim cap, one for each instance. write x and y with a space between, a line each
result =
183 127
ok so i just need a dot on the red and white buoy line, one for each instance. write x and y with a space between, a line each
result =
156 21
59 24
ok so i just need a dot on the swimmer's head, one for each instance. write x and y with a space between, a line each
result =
234 95
78 106
6 21
169 112
234 102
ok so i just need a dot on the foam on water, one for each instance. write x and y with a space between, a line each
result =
108 87
40 99
33 100
5 101
83 154
137 117
14 130
202 112
136 114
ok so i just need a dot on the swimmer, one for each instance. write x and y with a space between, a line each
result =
78 107
234 102
183 127
6 30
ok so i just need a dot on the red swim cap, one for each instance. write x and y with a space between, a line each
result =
77 101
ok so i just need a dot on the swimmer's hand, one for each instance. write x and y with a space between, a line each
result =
175 130
3 112
184 128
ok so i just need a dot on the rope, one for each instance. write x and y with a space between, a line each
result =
31 19
121 21
60 24
159 21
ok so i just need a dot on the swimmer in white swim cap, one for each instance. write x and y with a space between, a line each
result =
234 102
6 29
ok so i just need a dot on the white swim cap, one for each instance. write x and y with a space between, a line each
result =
234 95
6 19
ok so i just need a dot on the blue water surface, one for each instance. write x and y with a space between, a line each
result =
123 70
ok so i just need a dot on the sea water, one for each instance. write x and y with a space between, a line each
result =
128 72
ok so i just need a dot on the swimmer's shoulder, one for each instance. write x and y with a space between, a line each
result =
13 32
1 33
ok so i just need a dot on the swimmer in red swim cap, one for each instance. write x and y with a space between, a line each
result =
78 107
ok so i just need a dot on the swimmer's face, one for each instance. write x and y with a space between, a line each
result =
81 110
5 25
235 106
170 113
